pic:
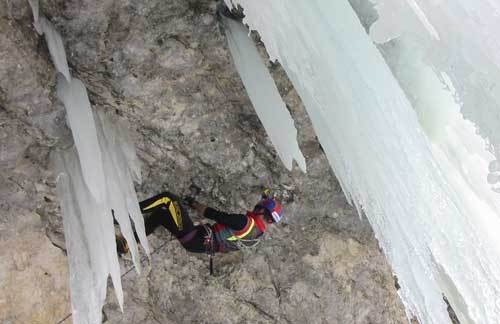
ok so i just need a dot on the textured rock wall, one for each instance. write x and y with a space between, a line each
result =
164 66
33 272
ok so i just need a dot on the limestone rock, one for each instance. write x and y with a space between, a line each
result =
33 273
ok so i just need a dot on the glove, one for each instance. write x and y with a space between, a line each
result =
190 201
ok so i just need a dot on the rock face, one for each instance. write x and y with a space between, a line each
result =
164 66
33 272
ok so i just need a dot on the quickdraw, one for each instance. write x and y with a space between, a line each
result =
245 245
252 243
210 247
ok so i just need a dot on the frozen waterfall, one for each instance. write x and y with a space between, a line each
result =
94 177
400 122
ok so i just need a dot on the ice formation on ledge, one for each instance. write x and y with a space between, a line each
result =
94 178
393 132
264 94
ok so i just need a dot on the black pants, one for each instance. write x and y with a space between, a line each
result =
164 209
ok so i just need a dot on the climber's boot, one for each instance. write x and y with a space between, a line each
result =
121 245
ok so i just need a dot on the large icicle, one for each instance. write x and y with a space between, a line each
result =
118 159
264 94
89 223
94 178
425 200
90 242
81 121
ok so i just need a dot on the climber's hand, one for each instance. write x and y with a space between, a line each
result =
190 201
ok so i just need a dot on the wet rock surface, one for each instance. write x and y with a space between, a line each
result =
164 66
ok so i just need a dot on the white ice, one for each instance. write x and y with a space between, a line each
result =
264 94
81 121
89 222
94 178
35 9
56 47
90 242
468 51
460 152
397 140
119 155
53 39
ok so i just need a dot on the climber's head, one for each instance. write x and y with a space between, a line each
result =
271 210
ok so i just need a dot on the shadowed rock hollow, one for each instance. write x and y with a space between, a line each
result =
164 66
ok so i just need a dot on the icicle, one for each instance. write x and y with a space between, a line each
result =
56 47
129 166
90 242
53 39
264 94
121 193
93 179
126 144
35 8
79 115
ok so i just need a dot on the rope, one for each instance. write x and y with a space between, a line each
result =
65 318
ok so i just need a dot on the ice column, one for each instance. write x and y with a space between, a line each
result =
418 172
94 178
264 94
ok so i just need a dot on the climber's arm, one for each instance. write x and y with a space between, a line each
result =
234 221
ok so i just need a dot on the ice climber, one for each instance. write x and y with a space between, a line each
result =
230 232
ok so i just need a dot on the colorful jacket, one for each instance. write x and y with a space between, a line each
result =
226 238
